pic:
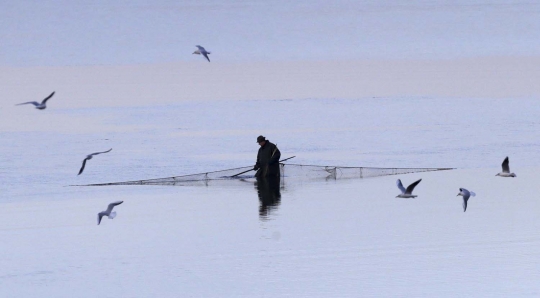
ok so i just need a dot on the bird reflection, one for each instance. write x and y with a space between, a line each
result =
268 189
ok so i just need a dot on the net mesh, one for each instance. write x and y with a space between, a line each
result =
288 171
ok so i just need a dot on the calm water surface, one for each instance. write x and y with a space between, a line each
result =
345 238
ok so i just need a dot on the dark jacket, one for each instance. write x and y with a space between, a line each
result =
268 160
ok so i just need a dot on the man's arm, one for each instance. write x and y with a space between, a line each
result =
275 157
257 163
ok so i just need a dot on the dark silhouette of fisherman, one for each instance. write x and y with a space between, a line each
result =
268 176
267 164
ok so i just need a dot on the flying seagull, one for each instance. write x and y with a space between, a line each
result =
466 195
88 157
407 193
108 212
506 169
202 51
39 106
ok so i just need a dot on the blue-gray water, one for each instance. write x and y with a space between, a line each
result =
344 238
192 137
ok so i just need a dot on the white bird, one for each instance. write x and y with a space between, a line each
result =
202 51
39 106
407 193
108 212
466 195
88 157
506 169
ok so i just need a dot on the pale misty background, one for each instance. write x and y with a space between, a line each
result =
133 32
125 79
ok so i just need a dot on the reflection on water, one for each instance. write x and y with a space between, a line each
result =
268 189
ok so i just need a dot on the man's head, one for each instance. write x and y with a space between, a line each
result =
261 140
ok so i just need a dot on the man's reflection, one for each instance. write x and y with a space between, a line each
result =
269 194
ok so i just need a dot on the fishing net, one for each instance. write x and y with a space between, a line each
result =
290 172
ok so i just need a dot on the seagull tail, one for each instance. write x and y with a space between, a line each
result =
112 215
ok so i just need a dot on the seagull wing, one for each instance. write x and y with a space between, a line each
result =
505 166
465 193
410 188
111 205
96 153
205 54
83 165
200 48
99 216
400 186
47 98
30 102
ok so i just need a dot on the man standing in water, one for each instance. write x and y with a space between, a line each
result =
267 159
